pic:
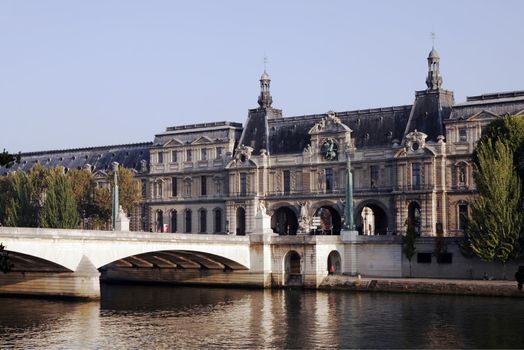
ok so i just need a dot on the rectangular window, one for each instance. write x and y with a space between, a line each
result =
445 258
144 188
203 186
243 184
174 156
462 216
174 187
424 258
329 180
415 175
203 154
189 155
463 134
373 176
287 181
220 151
160 157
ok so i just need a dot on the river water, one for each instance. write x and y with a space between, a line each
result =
162 317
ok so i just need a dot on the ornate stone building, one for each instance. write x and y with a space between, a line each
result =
410 163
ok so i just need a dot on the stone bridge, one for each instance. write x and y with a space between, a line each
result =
71 263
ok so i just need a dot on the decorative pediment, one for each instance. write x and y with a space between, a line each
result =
202 140
484 114
329 124
173 142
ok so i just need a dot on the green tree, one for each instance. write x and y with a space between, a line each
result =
102 207
5 263
510 130
408 243
59 209
18 204
7 159
495 225
83 186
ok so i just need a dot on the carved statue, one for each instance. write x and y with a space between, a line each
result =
304 219
261 209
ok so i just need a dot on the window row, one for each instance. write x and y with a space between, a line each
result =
186 185
190 155
187 220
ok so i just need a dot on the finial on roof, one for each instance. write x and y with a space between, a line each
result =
265 100
434 79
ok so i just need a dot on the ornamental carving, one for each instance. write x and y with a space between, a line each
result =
415 141
330 123
243 153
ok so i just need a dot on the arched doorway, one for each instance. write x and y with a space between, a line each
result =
372 220
284 221
292 269
415 217
241 221
330 221
334 263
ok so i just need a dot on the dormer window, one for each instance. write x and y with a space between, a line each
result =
160 157
203 154
189 155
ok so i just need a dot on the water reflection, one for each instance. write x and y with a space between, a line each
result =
167 317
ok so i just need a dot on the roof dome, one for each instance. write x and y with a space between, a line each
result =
264 76
433 53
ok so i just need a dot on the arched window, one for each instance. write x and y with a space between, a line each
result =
202 214
188 215
218 220
173 221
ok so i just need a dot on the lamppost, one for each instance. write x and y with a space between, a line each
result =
349 225
115 206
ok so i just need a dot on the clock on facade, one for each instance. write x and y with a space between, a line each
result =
330 149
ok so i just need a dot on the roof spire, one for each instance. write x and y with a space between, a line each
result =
265 100
434 79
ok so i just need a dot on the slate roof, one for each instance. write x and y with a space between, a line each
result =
100 158
371 128
498 103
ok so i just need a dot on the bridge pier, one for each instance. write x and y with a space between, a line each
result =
81 284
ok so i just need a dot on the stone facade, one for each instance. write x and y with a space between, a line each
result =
409 163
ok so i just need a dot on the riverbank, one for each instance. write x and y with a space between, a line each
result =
423 286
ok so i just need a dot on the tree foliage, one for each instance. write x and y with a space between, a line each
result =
129 189
496 219
5 263
7 159
49 198
59 209
510 130
408 242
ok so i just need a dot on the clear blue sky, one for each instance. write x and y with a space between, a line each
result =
89 73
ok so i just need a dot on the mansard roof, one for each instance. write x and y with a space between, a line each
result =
99 158
502 103
371 128
189 134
